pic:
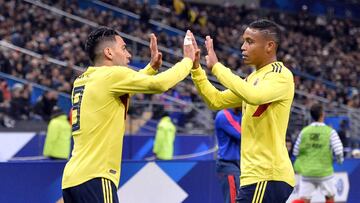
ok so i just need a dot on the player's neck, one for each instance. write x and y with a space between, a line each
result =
266 62
103 63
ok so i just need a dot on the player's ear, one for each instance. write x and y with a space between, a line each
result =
108 53
271 45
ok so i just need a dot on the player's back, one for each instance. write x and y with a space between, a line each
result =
315 153
98 127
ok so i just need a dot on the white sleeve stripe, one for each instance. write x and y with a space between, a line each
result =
297 145
338 151
338 148
336 143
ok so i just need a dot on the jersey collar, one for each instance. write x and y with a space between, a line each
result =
317 124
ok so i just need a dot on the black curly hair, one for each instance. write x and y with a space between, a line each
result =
269 28
96 38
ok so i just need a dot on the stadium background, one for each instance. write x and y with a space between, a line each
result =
41 52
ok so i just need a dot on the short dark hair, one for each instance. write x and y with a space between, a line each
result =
96 37
316 111
268 27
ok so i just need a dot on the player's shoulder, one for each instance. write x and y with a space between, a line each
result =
279 70
220 115
306 129
115 72
116 69
330 129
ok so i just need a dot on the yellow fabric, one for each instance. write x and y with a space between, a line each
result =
193 15
263 152
164 139
104 190
203 21
179 6
214 98
58 138
101 123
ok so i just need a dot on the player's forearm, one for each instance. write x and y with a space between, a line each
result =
340 158
339 153
148 70
169 78
254 95
207 91
336 146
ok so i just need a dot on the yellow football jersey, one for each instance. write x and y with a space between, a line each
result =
100 100
266 97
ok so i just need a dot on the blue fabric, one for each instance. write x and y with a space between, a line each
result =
228 137
90 191
275 192
224 169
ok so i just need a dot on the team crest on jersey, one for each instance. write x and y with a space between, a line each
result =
256 81
112 171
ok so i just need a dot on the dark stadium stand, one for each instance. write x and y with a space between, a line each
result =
42 52
323 57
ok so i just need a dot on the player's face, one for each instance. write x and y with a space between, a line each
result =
122 56
253 48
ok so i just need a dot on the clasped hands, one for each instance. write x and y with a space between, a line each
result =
190 50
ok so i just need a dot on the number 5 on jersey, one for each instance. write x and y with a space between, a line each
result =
76 101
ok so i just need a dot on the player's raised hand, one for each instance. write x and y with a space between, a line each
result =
197 52
156 56
211 58
189 50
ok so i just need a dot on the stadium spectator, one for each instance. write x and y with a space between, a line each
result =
289 147
228 132
314 149
44 105
20 102
164 138
314 46
4 90
58 137
5 108
343 132
304 47
266 97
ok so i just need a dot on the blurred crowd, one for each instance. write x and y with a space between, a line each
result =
15 104
323 52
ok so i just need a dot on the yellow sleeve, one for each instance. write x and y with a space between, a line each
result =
148 70
214 98
125 80
273 88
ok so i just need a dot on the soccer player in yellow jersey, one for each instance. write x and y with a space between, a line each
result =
265 96
100 101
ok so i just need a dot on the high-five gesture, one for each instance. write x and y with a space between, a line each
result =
156 56
197 51
189 50
211 58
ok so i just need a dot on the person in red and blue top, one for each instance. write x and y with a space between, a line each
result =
228 132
